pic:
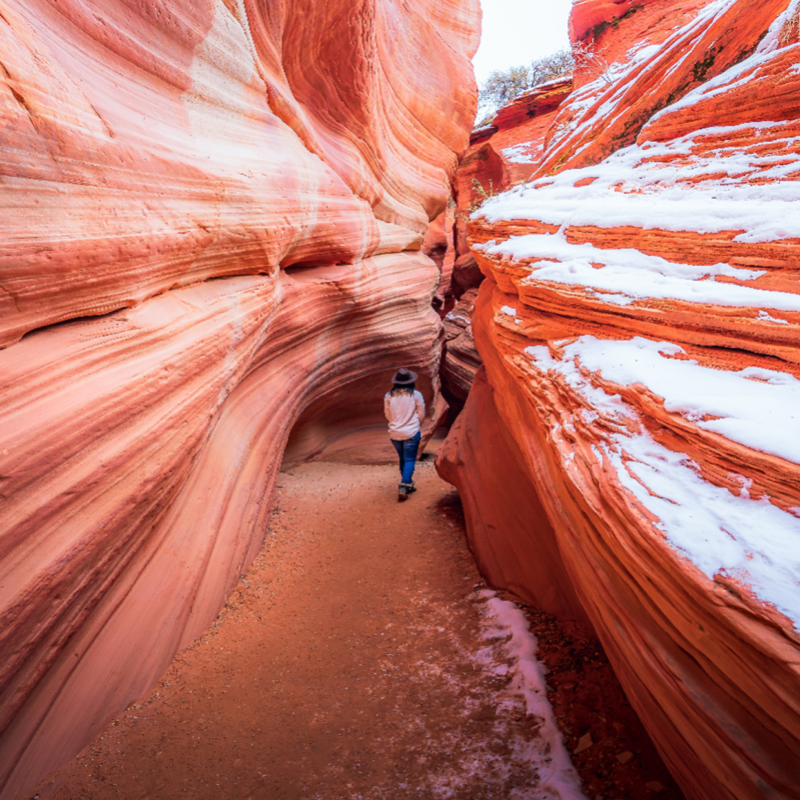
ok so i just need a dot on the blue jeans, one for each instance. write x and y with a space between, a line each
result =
407 452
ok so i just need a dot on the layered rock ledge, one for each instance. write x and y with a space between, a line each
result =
639 327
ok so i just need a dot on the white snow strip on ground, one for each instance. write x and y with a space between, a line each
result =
750 540
557 775
758 408
629 190
628 275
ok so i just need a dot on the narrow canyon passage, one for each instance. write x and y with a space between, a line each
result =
225 225
358 657
349 662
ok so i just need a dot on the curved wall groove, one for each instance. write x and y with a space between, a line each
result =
212 216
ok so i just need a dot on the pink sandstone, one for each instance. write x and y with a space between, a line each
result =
294 153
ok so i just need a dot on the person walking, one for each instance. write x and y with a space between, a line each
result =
404 407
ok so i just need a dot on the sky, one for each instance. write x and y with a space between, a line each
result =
515 32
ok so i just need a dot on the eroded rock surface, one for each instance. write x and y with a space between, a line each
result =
501 155
639 330
294 153
461 360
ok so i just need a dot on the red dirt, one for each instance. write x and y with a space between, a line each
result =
586 696
347 664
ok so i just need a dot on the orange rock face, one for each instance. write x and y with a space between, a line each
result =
510 534
640 331
461 360
500 156
151 149
292 151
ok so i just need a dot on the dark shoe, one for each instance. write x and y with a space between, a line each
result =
402 493
410 488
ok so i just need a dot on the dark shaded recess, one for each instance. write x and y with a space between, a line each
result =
347 424
586 696
483 134
455 402
466 275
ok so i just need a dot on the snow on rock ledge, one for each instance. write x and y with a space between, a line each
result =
648 380
294 152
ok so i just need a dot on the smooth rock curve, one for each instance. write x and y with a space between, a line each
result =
212 217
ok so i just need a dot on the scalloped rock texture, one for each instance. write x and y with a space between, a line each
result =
294 153
639 329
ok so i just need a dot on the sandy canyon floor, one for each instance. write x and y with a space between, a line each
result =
355 660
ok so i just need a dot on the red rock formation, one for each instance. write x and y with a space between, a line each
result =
512 539
500 156
508 152
461 360
640 335
661 66
591 18
293 151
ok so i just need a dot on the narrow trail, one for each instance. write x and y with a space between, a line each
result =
361 656
352 661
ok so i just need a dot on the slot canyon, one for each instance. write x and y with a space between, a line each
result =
226 223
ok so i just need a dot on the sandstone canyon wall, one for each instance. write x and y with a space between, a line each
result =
212 215
639 326
501 155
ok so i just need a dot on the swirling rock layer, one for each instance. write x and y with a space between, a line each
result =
639 330
147 148
294 152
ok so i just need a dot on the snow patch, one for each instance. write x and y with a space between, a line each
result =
757 408
765 317
633 188
557 776
722 533
622 276
523 153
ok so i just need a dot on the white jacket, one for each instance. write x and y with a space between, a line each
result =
405 412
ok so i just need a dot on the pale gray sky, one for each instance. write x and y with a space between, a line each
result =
515 32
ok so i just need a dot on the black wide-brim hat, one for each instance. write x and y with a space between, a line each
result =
404 376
